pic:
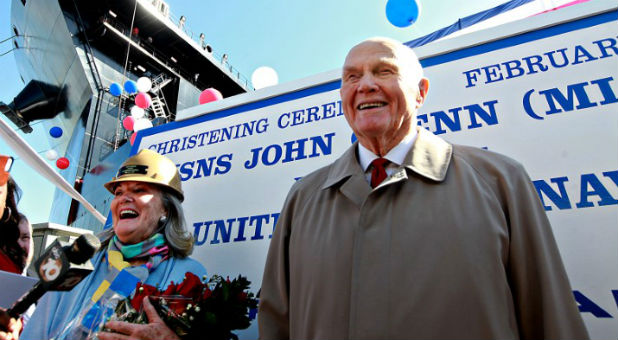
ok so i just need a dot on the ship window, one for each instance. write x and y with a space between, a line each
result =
15 31
23 2
15 43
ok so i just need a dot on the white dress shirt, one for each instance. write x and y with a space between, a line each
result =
396 155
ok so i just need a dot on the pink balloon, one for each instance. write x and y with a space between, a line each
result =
210 95
128 122
143 100
62 163
132 139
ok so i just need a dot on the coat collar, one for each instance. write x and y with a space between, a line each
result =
429 157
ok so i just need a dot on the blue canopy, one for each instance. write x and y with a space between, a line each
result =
466 22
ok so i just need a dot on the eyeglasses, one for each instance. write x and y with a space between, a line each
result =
6 163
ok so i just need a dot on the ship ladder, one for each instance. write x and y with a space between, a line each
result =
158 108
159 82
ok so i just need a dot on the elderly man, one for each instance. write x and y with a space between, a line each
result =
407 236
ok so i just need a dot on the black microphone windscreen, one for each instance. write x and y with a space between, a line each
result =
83 248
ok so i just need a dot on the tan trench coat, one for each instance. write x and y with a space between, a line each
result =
454 245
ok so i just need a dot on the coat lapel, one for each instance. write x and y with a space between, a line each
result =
429 157
347 172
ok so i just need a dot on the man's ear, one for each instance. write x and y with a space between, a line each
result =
423 88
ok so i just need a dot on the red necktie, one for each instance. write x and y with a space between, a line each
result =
378 172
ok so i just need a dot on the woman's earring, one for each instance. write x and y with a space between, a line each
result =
162 221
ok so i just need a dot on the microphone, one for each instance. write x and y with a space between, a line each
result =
61 267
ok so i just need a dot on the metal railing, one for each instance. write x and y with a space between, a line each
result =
186 29
219 57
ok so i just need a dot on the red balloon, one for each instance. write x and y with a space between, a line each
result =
127 122
132 139
62 163
143 100
210 95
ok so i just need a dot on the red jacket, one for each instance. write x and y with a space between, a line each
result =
7 264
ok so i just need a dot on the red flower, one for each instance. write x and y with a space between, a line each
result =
171 290
242 296
207 293
217 307
177 305
191 287
141 291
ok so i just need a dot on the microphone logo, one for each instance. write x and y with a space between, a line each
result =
51 269
52 264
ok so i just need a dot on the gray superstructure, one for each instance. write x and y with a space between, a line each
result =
84 46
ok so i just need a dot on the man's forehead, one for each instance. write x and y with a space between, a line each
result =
374 46
372 51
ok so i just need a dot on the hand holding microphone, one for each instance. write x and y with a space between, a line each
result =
60 268
12 330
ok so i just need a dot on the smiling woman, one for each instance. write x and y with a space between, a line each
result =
148 243
136 210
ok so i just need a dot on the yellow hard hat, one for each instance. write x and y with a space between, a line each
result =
149 167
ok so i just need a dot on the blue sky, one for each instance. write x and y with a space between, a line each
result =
296 38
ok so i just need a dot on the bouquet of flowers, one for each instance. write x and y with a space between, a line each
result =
194 308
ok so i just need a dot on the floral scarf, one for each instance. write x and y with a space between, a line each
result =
123 277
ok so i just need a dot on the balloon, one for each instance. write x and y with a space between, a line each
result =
55 131
62 163
132 139
51 154
137 112
264 76
402 13
142 123
143 100
130 86
144 84
128 122
115 89
210 95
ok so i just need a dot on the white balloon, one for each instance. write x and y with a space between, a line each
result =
51 154
142 123
137 112
144 84
264 76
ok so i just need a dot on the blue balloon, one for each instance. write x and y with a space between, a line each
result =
55 131
402 13
115 89
130 86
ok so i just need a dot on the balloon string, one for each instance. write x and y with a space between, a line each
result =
124 74
126 61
